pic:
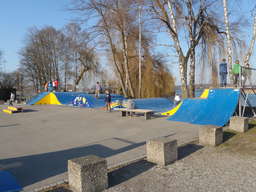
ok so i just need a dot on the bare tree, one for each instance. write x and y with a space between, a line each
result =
80 52
103 27
7 80
251 46
52 54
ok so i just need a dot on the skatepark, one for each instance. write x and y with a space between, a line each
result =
37 143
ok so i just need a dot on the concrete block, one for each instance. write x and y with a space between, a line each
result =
239 124
211 136
162 151
87 174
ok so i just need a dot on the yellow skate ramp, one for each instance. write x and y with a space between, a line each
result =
50 99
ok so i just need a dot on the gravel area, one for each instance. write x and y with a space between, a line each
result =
205 170
228 167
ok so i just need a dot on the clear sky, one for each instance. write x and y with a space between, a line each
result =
17 16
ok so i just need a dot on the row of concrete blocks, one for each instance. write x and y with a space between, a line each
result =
213 136
89 174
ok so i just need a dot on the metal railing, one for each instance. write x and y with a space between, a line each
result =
247 82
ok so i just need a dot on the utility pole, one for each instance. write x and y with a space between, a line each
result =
140 75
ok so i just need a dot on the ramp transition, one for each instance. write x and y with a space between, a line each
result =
215 109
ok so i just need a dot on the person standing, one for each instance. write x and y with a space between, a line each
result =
50 86
236 69
56 83
177 99
108 100
12 97
53 85
97 89
223 71
46 87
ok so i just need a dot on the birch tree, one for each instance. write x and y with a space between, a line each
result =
228 36
192 66
195 26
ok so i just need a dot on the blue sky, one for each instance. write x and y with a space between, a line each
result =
17 16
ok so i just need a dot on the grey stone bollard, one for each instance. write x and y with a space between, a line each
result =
211 136
239 124
162 151
87 174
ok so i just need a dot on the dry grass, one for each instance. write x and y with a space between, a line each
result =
243 143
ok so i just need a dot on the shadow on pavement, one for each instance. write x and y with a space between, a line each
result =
123 174
29 110
34 168
228 135
188 149
10 125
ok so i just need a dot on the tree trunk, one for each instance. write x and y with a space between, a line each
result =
252 42
192 74
80 76
140 75
182 66
125 56
228 34
108 36
192 55
65 77
115 63
182 60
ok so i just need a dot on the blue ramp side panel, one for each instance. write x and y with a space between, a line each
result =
37 98
156 104
215 110
67 98
8 182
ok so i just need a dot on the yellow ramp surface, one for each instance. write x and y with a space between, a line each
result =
172 111
11 108
205 94
50 99
7 111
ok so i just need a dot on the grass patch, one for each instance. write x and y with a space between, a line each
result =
244 143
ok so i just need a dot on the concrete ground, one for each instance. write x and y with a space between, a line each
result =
36 144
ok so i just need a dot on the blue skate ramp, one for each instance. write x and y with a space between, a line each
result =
68 98
214 110
8 182
156 104
37 98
